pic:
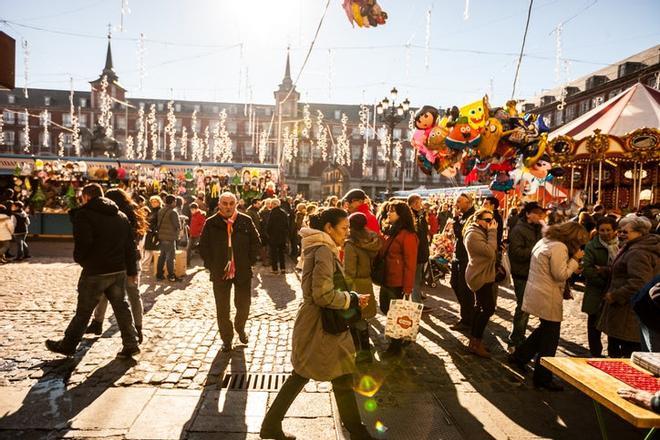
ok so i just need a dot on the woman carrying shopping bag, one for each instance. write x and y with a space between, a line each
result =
320 353
399 254
480 237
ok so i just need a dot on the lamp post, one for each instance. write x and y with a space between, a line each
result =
391 115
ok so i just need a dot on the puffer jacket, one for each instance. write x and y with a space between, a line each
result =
595 254
358 258
522 239
168 224
637 262
549 269
481 245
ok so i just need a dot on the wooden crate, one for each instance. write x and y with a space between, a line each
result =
180 263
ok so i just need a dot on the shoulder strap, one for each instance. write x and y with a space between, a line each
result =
389 243
160 222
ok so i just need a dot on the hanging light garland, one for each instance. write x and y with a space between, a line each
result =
466 12
287 151
60 144
2 133
140 53
226 152
385 140
398 152
307 121
141 147
153 130
45 120
343 146
76 139
26 70
215 151
294 140
124 11
262 145
184 142
130 150
170 130
206 144
195 141
105 119
322 137
26 132
363 129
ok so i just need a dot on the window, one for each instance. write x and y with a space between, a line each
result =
177 125
8 117
232 127
368 154
121 123
10 138
570 112
46 101
22 118
11 99
267 111
83 102
160 106
247 148
338 114
596 101
584 107
44 117
396 134
381 173
559 117
234 147
45 142
366 171
233 110
66 119
356 151
336 130
82 120
68 139
216 109
177 107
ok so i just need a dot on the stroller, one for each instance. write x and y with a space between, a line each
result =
436 269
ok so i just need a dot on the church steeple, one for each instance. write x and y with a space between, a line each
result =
287 83
115 89
109 70
287 91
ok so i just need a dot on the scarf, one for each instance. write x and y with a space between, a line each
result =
612 249
230 267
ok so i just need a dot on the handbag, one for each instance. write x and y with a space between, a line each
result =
378 266
335 321
154 240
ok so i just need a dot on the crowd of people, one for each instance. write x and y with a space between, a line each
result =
342 248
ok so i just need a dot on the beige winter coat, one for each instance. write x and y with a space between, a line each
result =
358 258
316 354
549 269
481 247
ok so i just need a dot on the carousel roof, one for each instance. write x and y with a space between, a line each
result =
636 107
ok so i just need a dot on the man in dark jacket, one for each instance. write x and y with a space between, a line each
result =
465 297
168 228
415 202
229 247
105 248
522 238
277 230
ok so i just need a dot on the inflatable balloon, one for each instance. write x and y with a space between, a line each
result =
462 135
491 135
364 13
476 113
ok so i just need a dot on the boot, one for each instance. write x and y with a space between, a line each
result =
139 332
95 327
477 347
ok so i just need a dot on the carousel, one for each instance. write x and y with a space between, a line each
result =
611 154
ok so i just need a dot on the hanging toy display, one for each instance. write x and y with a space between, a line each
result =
364 13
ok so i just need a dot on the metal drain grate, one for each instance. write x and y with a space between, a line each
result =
253 381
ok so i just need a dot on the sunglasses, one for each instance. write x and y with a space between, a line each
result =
487 220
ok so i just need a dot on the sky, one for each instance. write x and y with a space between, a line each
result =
235 51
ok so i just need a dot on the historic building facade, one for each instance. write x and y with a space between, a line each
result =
307 172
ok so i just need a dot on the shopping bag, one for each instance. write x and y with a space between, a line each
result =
403 319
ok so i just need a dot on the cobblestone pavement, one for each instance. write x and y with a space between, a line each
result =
437 383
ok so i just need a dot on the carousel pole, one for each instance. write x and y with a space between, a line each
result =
572 177
634 182
617 179
600 180
639 189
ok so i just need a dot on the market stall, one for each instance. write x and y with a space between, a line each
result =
50 186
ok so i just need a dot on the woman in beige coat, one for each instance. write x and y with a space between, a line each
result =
360 249
480 238
317 354
554 259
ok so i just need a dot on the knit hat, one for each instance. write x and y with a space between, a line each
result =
357 221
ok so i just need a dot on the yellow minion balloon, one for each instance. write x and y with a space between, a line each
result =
476 112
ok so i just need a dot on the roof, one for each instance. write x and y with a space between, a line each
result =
636 107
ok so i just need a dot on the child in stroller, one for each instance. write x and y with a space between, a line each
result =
442 249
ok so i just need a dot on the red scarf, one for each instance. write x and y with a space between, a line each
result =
230 267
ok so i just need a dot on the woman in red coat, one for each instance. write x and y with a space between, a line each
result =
400 253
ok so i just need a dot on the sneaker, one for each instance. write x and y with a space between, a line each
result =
56 347
94 328
174 279
128 352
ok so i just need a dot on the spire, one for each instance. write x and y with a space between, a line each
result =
109 70
287 71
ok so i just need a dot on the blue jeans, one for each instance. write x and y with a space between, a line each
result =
417 287
90 289
167 254
21 245
650 339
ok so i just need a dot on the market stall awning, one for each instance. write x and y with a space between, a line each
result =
636 107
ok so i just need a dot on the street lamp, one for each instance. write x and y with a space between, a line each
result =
391 115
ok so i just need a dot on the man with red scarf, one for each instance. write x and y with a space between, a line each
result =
229 246
356 201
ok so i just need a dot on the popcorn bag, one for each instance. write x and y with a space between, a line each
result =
403 319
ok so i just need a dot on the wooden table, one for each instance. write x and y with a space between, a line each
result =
602 389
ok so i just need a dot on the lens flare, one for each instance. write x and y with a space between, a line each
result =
371 405
368 386
380 428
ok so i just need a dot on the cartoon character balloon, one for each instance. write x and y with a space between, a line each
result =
476 113
364 13
462 135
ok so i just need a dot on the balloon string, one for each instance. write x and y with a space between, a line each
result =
522 49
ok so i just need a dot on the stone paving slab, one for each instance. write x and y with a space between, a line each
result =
166 416
116 408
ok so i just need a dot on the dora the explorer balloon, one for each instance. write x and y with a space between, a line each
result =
426 119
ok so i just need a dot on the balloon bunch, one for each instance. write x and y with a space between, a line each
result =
499 144
364 13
